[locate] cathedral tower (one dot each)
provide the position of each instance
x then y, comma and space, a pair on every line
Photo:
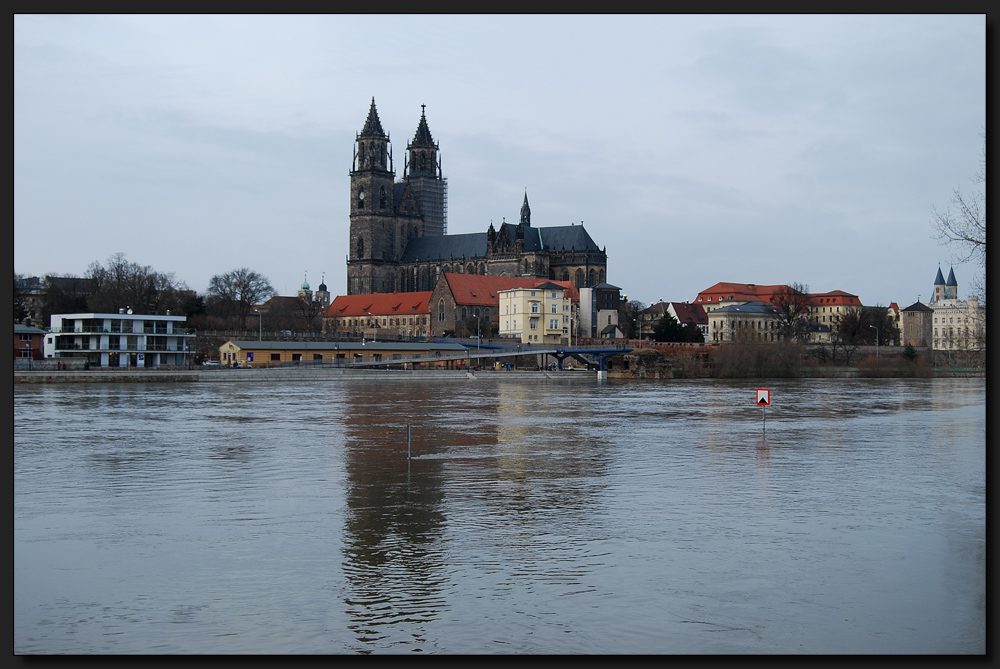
423, 174
373, 227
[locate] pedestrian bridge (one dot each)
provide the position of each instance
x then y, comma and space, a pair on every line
588, 354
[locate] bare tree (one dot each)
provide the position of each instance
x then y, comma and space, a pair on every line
120, 284
232, 295
628, 317
310, 311
792, 302
962, 226
864, 326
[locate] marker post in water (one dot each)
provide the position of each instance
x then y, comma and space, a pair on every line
763, 400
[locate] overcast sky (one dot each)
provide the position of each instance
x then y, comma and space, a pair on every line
696, 149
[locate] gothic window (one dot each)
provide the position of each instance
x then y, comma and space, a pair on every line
381, 197
423, 161
470, 269
441, 310
579, 279
590, 280
361, 247
465, 314
565, 275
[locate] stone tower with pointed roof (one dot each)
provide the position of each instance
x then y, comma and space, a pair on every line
398, 230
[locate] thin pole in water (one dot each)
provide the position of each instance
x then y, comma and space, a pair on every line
409, 452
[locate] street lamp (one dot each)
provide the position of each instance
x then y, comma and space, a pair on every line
260, 325
876, 340
479, 334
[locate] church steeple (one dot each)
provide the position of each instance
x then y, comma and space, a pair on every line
525, 211
951, 286
371, 205
373, 127
372, 151
422, 151
424, 176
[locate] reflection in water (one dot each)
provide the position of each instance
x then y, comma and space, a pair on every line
393, 526
549, 516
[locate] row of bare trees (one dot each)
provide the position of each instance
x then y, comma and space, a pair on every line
119, 283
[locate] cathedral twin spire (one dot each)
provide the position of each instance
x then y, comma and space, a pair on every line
373, 127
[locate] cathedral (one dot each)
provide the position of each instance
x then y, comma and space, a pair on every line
399, 239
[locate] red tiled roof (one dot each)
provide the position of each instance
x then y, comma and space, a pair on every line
275, 301
835, 297
690, 313
480, 290
380, 304
750, 292
746, 292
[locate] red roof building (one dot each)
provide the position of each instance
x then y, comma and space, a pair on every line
397, 314
458, 297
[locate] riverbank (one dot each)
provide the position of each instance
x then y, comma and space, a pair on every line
301, 374
277, 374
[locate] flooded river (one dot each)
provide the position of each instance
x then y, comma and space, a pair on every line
548, 516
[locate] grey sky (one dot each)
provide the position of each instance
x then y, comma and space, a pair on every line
697, 149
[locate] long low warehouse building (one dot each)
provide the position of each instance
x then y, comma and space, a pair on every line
278, 353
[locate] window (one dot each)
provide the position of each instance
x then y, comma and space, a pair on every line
441, 310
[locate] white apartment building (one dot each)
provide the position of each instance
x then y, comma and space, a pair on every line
120, 340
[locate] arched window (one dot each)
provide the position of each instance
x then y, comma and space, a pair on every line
361, 247
475, 312
590, 279
579, 279
381, 197
465, 314
441, 310
470, 269
565, 275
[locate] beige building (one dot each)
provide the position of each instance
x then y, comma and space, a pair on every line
956, 324
541, 314
750, 320
283, 353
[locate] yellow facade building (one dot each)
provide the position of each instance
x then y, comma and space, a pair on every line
541, 314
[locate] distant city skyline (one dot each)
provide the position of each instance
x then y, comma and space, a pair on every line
698, 149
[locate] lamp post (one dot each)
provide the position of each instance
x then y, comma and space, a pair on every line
260, 325
479, 334
876, 340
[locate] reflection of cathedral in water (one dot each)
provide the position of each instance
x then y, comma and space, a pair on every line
394, 560
494, 467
